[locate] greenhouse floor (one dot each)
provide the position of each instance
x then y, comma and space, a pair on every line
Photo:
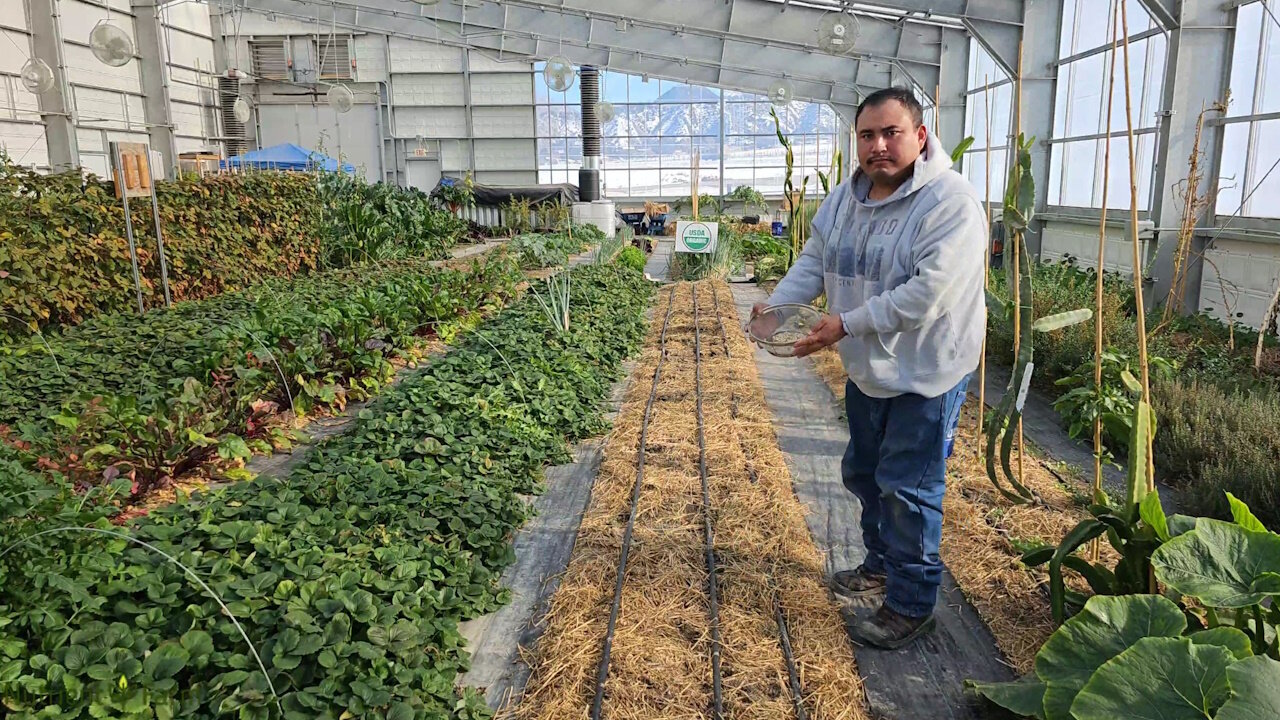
926, 680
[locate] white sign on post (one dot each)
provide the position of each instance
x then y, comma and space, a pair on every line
694, 236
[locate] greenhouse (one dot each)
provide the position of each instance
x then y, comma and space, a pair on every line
750, 359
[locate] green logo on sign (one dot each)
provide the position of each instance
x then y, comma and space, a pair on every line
697, 236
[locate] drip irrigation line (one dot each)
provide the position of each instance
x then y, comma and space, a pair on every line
603, 672
716, 691
784, 635
724, 340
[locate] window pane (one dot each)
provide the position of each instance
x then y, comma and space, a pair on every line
574, 156
1235, 148
739, 151
644, 120
704, 119
1244, 59
675, 182
1265, 178
709, 148
616, 183
1078, 173
613, 86
644, 182
641, 91
1270, 100
768, 180
544, 154
709, 180
674, 120
540, 92
737, 176
1068, 28
544, 121
738, 118
1088, 88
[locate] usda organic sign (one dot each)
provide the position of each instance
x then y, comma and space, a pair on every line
696, 237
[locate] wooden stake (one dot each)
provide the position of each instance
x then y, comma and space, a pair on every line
986, 266
1095, 547
693, 185
937, 111
1137, 255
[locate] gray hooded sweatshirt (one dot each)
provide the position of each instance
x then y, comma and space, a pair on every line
905, 274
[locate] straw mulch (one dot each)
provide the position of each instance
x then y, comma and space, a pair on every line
661, 657
980, 528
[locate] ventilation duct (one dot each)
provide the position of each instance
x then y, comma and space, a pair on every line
589, 174
232, 129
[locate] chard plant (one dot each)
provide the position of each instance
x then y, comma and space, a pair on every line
1019, 207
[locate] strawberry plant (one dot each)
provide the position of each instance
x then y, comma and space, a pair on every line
349, 576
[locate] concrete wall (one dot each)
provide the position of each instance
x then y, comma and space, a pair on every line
108, 102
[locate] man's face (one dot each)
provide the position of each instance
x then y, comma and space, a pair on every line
888, 142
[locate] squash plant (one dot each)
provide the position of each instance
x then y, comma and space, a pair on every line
1146, 656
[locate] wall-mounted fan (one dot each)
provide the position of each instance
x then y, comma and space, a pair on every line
558, 73
605, 111
37, 76
781, 92
837, 32
241, 110
110, 44
341, 98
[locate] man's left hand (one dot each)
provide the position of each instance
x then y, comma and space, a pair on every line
827, 332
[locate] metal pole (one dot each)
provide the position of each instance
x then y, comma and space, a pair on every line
128, 222
164, 267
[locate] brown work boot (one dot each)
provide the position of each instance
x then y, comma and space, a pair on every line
858, 583
889, 630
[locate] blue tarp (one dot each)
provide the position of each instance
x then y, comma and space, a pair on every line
287, 156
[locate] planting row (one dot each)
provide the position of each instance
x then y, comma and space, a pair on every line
147, 397
64, 256
348, 577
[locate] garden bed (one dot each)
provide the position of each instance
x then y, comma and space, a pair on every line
1217, 417
150, 397
348, 577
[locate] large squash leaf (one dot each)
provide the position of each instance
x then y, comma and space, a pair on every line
1221, 564
1255, 690
1159, 678
1106, 627
1024, 696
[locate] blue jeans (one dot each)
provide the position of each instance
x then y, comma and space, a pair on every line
896, 464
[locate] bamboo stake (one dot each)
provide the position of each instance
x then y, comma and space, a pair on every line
1017, 242
1095, 547
1137, 255
986, 265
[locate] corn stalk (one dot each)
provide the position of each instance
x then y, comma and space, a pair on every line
788, 189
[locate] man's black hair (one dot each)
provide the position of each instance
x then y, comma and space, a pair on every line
900, 94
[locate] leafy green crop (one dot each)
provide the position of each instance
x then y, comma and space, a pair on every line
542, 251
149, 396
64, 256
349, 576
374, 222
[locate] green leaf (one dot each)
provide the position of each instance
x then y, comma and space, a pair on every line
198, 643
166, 661
1221, 564
1136, 475
1106, 627
1228, 637
1243, 516
1024, 696
1130, 381
1050, 323
1152, 513
1255, 690
400, 711
959, 150
1159, 678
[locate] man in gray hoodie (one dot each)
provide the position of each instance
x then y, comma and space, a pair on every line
899, 250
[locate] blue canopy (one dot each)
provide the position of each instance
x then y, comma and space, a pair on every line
287, 156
